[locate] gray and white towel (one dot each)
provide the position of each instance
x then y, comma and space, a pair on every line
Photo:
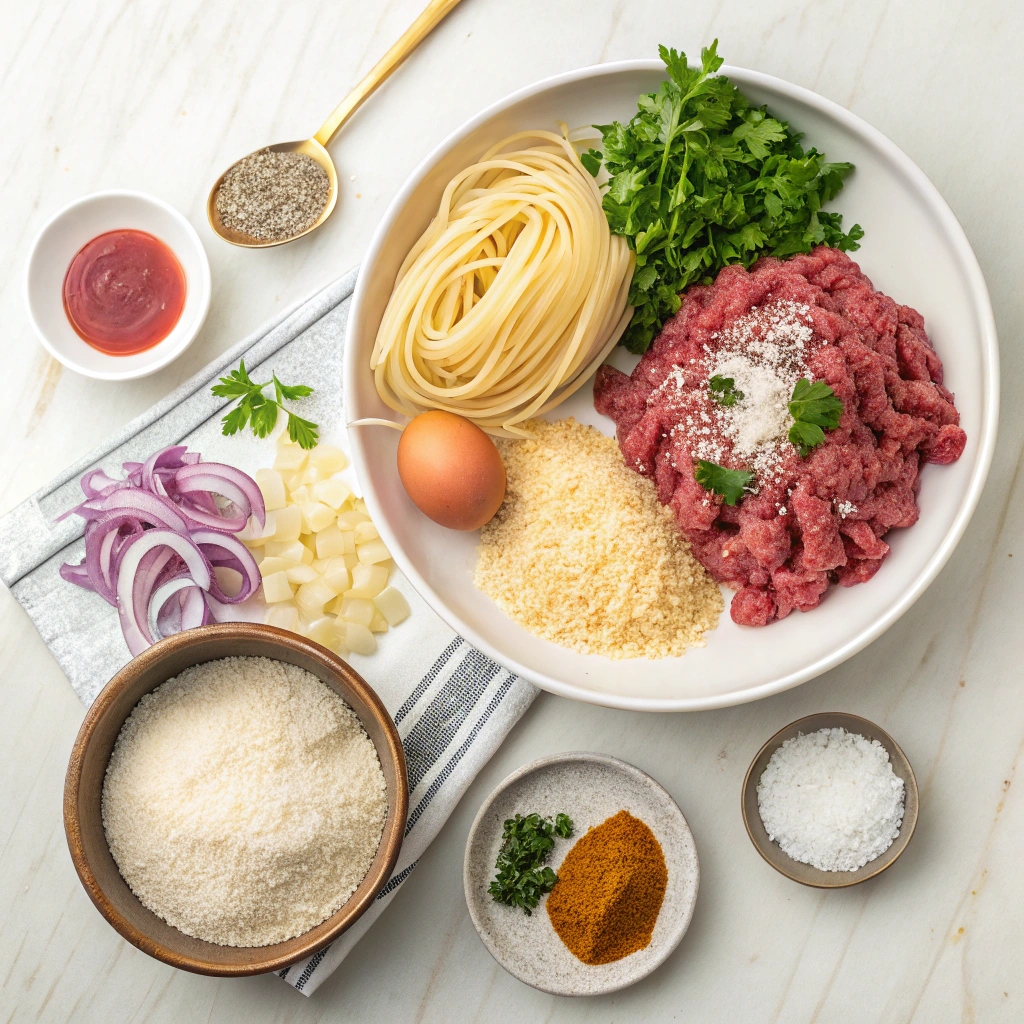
452, 705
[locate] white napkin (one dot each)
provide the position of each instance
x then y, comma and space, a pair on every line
453, 706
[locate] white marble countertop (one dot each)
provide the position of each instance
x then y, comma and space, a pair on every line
161, 96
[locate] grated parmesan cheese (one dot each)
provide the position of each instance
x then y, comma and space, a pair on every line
582, 554
764, 352
243, 802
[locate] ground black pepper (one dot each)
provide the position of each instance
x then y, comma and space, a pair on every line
271, 196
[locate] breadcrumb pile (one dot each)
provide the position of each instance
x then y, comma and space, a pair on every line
582, 554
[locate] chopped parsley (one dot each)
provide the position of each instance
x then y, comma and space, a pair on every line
729, 483
700, 179
724, 391
259, 411
815, 409
526, 843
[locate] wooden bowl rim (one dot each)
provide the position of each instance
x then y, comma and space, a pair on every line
302, 947
806, 874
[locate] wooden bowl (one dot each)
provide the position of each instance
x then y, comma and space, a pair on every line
84, 783
805, 874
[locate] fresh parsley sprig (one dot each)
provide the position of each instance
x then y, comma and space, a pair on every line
700, 179
526, 843
731, 484
724, 391
815, 409
259, 411
591, 160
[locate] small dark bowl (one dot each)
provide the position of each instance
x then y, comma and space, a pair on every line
83, 788
805, 874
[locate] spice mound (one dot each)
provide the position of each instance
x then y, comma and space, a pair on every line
610, 889
243, 802
272, 196
582, 554
831, 799
782, 496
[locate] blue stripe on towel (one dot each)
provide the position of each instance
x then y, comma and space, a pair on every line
422, 685
430, 736
307, 971
459, 754
396, 880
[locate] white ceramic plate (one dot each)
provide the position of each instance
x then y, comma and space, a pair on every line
914, 249
63, 236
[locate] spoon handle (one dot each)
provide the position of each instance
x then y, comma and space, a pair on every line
431, 17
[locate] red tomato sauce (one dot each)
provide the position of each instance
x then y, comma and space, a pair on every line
124, 292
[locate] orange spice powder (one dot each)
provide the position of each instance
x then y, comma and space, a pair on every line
609, 892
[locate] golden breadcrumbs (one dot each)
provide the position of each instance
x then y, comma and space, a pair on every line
582, 553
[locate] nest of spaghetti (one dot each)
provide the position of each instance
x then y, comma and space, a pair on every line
513, 295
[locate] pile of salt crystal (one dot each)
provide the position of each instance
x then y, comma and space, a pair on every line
831, 799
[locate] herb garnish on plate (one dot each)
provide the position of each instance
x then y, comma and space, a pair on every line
526, 843
261, 412
700, 179
724, 391
814, 406
729, 483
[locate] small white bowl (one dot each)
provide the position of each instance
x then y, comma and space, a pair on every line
63, 236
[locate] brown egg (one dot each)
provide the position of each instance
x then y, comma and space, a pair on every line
451, 470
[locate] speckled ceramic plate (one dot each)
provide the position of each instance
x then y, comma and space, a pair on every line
589, 788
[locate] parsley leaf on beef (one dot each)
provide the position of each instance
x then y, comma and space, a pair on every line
724, 391
813, 406
700, 179
729, 483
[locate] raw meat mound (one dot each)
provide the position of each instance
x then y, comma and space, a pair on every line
809, 521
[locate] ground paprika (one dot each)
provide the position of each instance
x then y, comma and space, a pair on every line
609, 891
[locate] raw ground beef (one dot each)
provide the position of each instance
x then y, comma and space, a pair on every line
812, 521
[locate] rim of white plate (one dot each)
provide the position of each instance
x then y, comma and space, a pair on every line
990, 358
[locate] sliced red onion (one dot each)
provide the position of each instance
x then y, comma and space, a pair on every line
193, 610
76, 574
100, 553
137, 579
169, 458
150, 508
88, 509
216, 478
153, 537
238, 557
98, 483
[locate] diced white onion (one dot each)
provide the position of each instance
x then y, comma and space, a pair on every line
372, 551
272, 488
325, 569
276, 588
392, 605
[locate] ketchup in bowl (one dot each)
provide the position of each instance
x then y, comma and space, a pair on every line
124, 292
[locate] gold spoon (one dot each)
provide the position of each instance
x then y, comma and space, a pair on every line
316, 147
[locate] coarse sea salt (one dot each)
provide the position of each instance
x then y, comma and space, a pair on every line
831, 799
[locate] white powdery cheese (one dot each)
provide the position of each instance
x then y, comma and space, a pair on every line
243, 802
831, 799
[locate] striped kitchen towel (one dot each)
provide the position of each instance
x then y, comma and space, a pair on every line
452, 705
